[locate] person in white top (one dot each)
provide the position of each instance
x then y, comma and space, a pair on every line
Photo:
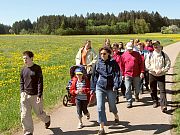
158, 63
87, 57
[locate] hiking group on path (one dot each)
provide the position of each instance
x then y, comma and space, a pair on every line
129, 69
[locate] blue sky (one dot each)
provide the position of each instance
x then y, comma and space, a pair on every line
16, 10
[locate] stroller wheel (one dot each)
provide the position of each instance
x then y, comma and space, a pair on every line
65, 100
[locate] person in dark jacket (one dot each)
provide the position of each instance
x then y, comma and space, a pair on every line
31, 85
105, 82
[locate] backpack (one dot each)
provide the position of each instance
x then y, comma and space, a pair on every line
163, 56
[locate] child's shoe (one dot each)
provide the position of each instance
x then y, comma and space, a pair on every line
88, 116
80, 125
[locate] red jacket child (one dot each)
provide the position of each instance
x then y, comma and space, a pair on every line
80, 88
85, 89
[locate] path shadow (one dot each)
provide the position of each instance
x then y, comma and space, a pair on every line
171, 82
58, 131
80, 132
147, 101
94, 124
173, 92
171, 74
125, 127
174, 105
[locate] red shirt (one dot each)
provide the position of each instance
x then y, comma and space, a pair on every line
149, 48
132, 64
117, 58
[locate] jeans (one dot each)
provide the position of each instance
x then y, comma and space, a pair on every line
128, 83
153, 86
146, 79
142, 84
101, 95
81, 106
123, 88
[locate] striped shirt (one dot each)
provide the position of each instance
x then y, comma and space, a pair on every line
80, 85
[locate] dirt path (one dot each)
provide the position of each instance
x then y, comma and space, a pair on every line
142, 119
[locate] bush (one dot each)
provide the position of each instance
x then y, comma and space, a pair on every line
173, 29
23, 32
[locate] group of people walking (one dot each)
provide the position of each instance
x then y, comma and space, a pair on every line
129, 68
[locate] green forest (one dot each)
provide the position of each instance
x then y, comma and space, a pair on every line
127, 22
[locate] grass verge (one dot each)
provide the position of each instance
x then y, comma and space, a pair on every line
176, 97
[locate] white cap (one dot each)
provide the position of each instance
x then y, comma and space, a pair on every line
129, 46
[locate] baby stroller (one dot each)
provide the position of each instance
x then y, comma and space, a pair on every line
69, 99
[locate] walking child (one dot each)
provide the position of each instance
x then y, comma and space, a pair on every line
81, 89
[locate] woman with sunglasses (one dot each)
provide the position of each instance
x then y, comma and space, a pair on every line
105, 82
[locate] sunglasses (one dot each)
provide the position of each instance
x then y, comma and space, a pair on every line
156, 44
103, 53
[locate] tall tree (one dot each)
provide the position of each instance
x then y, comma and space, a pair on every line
140, 26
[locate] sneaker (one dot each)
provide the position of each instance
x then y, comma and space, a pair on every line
88, 116
28, 134
129, 105
164, 109
101, 132
48, 123
155, 104
80, 125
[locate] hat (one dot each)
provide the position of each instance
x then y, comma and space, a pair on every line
148, 40
78, 71
129, 46
155, 43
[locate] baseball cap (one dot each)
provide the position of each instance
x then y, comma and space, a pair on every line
155, 43
78, 71
129, 46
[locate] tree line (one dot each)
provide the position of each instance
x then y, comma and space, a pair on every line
127, 22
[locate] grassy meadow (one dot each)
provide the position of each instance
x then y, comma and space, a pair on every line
176, 97
55, 54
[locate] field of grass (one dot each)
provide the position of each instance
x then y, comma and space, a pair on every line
55, 54
176, 97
